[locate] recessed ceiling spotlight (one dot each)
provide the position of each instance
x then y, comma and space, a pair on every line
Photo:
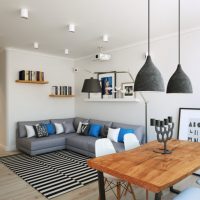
105, 38
66, 51
71, 28
24, 13
35, 45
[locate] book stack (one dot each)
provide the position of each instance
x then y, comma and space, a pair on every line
61, 90
27, 75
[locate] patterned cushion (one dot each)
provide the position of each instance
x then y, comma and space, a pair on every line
84, 129
40, 130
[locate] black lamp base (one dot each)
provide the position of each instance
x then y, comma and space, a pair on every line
162, 151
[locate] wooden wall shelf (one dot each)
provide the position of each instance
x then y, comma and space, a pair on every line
52, 95
33, 82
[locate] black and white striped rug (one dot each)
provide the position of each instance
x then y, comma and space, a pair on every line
54, 173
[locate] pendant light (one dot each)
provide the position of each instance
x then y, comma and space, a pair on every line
149, 77
179, 81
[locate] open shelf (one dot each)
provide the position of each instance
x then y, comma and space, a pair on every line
32, 82
113, 100
52, 95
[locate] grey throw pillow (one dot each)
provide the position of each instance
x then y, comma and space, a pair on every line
104, 132
68, 127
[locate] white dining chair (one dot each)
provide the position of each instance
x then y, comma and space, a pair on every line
130, 141
104, 147
191, 193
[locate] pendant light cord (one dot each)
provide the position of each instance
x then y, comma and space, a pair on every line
179, 31
148, 27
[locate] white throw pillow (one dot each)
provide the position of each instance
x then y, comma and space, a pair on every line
113, 134
30, 131
59, 128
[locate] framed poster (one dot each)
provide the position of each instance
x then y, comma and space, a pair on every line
128, 89
108, 84
189, 124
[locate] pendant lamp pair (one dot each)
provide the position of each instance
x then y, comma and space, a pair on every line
149, 77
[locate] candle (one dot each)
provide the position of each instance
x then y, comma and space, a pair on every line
166, 121
152, 122
161, 123
170, 119
157, 122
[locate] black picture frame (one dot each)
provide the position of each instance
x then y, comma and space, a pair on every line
113, 73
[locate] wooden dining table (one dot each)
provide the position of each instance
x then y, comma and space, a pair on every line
146, 168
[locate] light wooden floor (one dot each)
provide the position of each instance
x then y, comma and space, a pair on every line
14, 188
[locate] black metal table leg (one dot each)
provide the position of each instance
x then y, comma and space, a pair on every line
158, 196
102, 195
174, 190
195, 174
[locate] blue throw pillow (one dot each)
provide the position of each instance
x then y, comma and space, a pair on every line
122, 132
50, 129
95, 130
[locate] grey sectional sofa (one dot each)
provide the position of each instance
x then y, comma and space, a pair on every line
71, 141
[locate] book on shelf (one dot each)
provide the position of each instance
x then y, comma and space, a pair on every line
61, 90
28, 75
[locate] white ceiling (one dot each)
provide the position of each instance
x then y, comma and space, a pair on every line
125, 21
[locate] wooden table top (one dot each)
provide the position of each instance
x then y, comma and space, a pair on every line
152, 171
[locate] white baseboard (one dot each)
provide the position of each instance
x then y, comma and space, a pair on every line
8, 148
11, 148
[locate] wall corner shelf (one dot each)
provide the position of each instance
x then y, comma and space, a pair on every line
52, 95
32, 82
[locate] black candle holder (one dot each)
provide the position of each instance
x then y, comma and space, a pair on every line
164, 130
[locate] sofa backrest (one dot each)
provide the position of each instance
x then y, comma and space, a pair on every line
101, 122
62, 120
21, 130
139, 130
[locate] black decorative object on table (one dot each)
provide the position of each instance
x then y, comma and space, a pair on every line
164, 130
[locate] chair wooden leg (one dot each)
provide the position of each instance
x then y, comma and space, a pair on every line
131, 191
118, 190
126, 190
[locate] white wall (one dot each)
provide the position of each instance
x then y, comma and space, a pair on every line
31, 101
2, 98
161, 105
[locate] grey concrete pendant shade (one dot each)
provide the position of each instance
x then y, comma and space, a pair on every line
179, 82
149, 78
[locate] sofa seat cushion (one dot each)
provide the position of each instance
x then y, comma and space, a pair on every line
41, 143
119, 147
68, 135
91, 145
79, 141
